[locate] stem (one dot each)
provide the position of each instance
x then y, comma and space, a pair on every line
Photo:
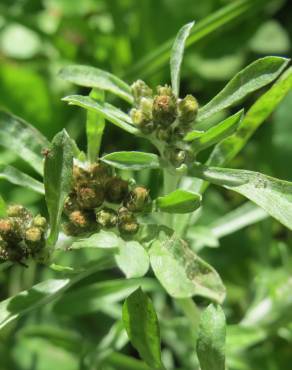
170, 182
191, 311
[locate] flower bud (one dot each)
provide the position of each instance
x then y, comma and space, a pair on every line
165, 90
188, 109
71, 203
70, 229
137, 116
33, 234
11, 229
106, 217
163, 134
40, 222
177, 156
127, 222
137, 199
140, 90
164, 110
90, 196
100, 172
80, 219
116, 190
17, 210
146, 106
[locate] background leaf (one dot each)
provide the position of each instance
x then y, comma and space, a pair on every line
57, 180
211, 338
142, 327
176, 56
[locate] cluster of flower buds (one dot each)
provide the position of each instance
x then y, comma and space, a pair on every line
163, 114
21, 235
101, 200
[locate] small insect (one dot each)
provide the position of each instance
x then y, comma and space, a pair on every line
46, 152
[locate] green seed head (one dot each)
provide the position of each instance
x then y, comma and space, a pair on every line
188, 109
106, 217
140, 90
116, 190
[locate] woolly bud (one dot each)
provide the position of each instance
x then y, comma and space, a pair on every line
71, 203
106, 217
140, 90
188, 109
137, 199
17, 210
33, 234
40, 222
116, 190
164, 110
80, 219
100, 172
11, 229
90, 196
163, 134
127, 222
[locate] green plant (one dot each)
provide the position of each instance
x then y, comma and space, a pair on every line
107, 211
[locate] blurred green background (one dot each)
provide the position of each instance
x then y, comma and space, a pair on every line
38, 37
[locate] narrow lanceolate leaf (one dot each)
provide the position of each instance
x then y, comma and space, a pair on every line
87, 103
182, 273
179, 201
258, 74
132, 160
211, 338
176, 56
273, 195
23, 139
42, 294
17, 177
95, 124
97, 78
142, 327
257, 114
57, 180
214, 134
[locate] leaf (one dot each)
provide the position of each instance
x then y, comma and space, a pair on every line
176, 56
179, 201
2, 207
87, 103
57, 180
132, 259
17, 177
102, 239
95, 125
159, 57
258, 74
132, 160
215, 133
256, 115
273, 195
42, 294
97, 78
23, 139
211, 338
142, 327
93, 297
182, 273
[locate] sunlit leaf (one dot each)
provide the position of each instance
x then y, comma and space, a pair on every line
132, 160
179, 201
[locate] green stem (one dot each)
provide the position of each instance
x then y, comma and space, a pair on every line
191, 311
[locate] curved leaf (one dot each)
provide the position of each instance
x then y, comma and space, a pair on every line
176, 56
103, 239
97, 78
142, 327
132, 160
107, 112
258, 74
23, 139
179, 201
182, 273
57, 180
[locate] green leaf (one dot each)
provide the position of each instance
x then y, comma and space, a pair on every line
160, 56
87, 103
93, 297
179, 201
256, 115
214, 134
273, 195
42, 294
132, 259
258, 74
142, 327
182, 273
176, 56
23, 139
95, 125
17, 177
132, 160
97, 78
211, 338
102, 239
2, 207
57, 180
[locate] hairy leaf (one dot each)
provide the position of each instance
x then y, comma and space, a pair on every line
179, 201
103, 239
97, 78
182, 273
57, 180
258, 74
176, 56
132, 160
142, 327
211, 339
